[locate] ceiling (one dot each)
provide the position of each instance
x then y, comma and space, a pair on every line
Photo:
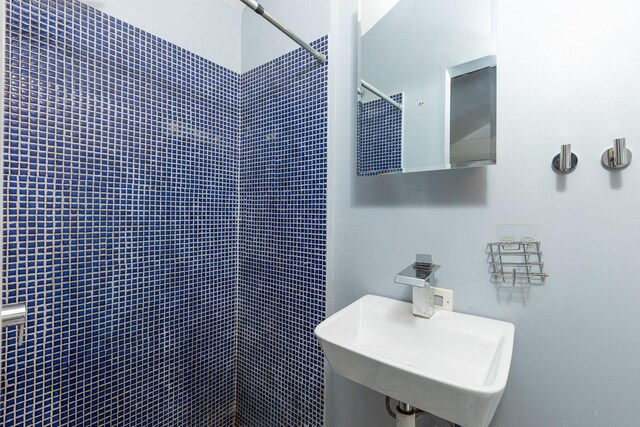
236, 5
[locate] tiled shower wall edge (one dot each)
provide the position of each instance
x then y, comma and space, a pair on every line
332, 119
3, 36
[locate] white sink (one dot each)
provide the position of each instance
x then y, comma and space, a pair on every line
453, 365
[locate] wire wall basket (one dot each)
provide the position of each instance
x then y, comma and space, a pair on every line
516, 262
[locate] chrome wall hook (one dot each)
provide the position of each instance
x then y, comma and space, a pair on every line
618, 157
565, 162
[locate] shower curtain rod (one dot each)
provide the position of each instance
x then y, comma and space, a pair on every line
371, 88
257, 8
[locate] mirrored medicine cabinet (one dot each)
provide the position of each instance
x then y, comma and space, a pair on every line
427, 93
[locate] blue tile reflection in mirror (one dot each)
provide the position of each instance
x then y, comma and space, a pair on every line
409, 47
379, 137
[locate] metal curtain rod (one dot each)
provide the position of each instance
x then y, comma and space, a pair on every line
257, 8
380, 94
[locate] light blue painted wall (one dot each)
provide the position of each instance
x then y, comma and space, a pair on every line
262, 42
209, 28
568, 74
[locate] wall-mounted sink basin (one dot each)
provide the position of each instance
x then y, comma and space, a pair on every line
453, 365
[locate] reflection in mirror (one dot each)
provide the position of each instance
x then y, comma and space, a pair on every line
437, 59
472, 107
379, 137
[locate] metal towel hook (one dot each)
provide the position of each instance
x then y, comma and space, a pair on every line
565, 162
618, 157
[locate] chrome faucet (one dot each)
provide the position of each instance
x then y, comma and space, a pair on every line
420, 276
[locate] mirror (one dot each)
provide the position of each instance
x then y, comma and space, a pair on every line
427, 98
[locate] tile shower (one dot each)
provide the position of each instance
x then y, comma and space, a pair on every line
379, 137
281, 288
164, 221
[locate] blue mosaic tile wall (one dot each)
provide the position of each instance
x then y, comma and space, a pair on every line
281, 295
379, 137
120, 224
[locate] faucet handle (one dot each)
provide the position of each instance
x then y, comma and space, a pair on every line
424, 258
423, 265
418, 273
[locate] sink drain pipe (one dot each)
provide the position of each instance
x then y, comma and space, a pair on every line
406, 414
